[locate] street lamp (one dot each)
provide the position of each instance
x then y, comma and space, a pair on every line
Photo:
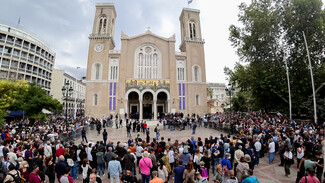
229, 90
66, 92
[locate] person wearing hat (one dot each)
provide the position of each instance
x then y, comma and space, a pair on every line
33, 176
145, 165
155, 178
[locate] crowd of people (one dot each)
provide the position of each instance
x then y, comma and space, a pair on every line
35, 153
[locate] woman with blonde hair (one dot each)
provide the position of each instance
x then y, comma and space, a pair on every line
217, 177
232, 177
189, 173
24, 171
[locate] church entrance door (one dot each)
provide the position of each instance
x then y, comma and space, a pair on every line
147, 106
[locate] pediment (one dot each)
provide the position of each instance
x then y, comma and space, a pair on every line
147, 33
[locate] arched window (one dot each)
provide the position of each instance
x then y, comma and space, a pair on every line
147, 62
196, 73
97, 71
95, 99
102, 25
113, 69
181, 70
192, 30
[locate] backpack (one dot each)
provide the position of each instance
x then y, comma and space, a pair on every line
16, 177
225, 170
155, 130
204, 172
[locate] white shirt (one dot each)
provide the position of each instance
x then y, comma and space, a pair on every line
90, 157
300, 155
272, 147
1, 151
288, 154
171, 156
258, 146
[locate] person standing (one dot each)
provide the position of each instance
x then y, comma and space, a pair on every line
214, 157
114, 169
258, 147
33, 176
155, 178
200, 178
271, 151
144, 167
105, 136
178, 172
100, 161
60, 167
128, 129
194, 128
288, 158
250, 178
319, 165
157, 130
128, 177
83, 135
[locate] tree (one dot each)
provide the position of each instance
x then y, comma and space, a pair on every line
9, 91
34, 100
271, 32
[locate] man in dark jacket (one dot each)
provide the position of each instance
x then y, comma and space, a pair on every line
60, 167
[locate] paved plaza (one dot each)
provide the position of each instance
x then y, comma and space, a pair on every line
265, 172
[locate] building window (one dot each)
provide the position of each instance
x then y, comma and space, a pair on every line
95, 99
96, 71
196, 73
148, 63
102, 25
192, 30
197, 100
180, 70
113, 69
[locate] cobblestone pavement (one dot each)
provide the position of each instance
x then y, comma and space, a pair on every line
265, 172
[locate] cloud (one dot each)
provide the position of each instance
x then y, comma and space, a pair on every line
65, 25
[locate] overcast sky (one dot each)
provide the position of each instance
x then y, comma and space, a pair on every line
66, 24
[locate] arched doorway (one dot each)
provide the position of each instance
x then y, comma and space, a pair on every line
133, 102
147, 102
162, 103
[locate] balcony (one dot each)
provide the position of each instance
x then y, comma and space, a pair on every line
16, 56
23, 58
10, 42
25, 47
2, 40
5, 66
22, 69
18, 45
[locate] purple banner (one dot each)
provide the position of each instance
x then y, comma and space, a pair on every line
114, 84
183, 89
114, 103
183, 103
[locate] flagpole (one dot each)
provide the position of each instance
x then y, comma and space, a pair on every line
312, 77
289, 90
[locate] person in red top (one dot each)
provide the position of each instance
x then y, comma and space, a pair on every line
145, 125
310, 178
60, 151
7, 138
33, 176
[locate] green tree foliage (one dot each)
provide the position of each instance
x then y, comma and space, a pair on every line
273, 31
34, 100
9, 91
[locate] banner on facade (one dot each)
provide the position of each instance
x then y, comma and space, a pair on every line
147, 84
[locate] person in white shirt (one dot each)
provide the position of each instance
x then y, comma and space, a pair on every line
48, 149
1, 152
258, 147
271, 150
287, 160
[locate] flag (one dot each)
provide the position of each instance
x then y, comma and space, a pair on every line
189, 1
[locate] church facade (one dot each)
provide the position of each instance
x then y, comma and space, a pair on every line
146, 77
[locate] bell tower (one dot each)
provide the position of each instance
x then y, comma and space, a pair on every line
193, 45
101, 41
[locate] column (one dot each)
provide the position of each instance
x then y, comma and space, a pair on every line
141, 109
126, 107
168, 106
155, 109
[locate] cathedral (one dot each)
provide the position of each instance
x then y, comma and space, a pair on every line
147, 76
